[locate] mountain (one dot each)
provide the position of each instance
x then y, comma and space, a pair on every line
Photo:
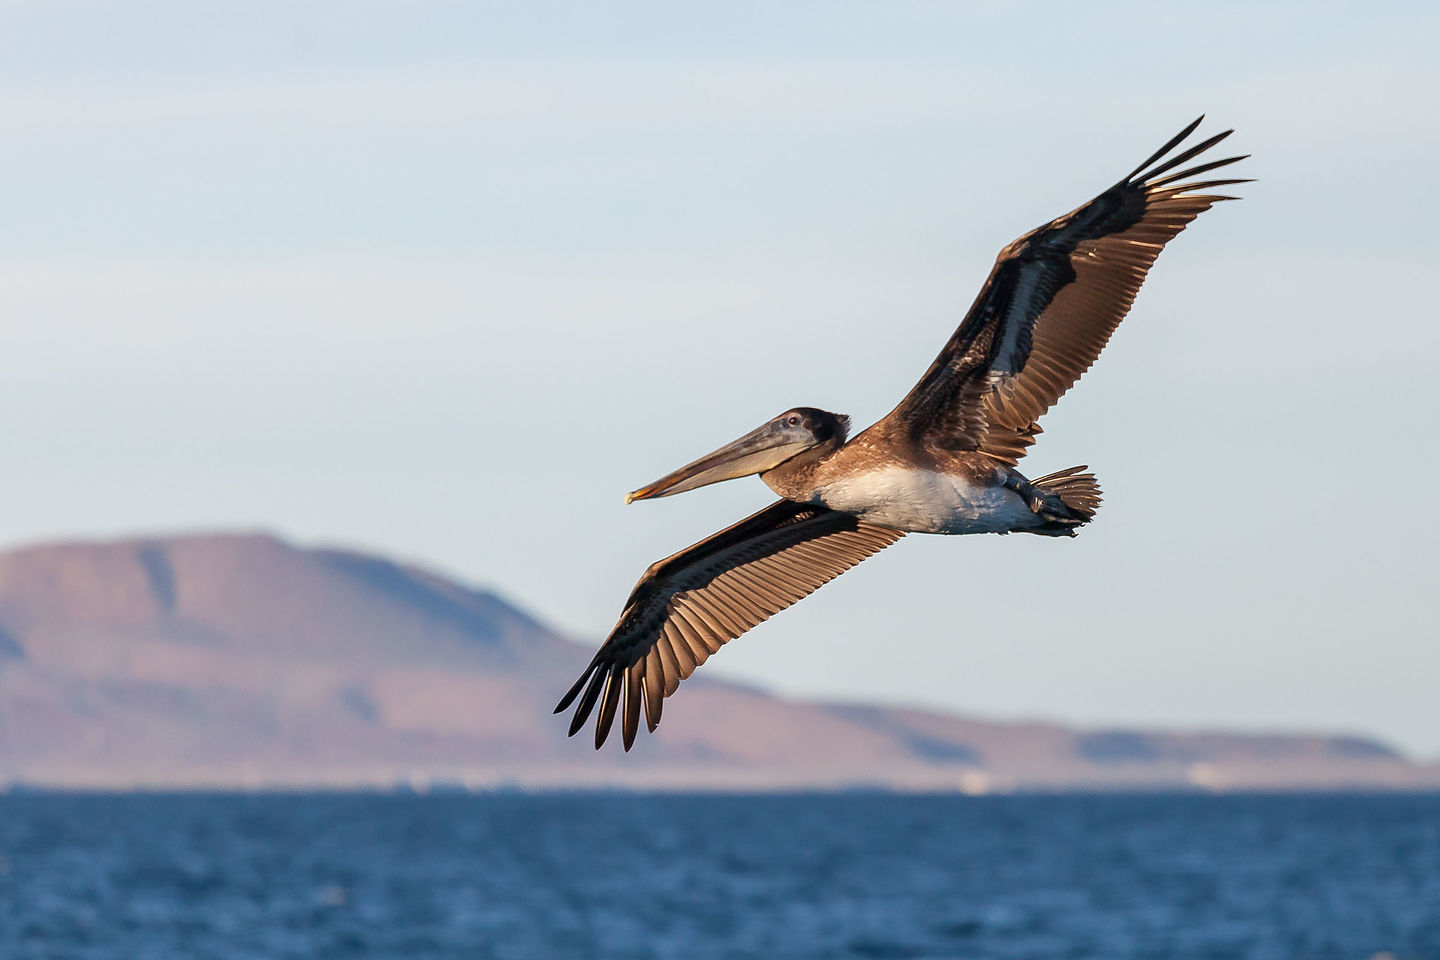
244, 661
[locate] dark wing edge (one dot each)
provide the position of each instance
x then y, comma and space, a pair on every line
1050, 304
687, 606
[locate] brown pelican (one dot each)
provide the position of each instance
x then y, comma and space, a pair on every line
943, 461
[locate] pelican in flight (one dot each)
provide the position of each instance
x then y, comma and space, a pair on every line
943, 461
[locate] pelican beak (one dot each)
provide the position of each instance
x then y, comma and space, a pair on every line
756, 452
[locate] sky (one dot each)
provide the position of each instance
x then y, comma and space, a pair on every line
444, 280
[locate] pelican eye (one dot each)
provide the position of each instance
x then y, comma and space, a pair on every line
793, 420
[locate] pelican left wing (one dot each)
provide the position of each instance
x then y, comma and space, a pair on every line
687, 606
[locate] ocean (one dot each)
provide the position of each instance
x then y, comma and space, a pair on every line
869, 875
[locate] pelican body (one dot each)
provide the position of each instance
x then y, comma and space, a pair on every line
883, 476
944, 461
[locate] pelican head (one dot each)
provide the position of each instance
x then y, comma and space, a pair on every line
762, 449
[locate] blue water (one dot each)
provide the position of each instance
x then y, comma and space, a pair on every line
840, 875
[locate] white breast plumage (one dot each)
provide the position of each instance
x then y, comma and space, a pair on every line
927, 501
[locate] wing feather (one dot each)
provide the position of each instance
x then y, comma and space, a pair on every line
608, 703
685, 665
654, 686
687, 606
633, 679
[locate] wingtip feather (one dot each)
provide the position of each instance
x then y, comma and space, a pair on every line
587, 703
608, 704
1169, 145
572, 693
1183, 156
630, 725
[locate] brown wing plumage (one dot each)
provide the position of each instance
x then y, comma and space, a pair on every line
688, 605
1050, 304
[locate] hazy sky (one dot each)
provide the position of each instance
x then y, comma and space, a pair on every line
446, 279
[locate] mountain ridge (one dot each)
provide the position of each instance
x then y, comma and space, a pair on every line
243, 661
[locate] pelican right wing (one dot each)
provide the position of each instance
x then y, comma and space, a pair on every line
1050, 305
688, 605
